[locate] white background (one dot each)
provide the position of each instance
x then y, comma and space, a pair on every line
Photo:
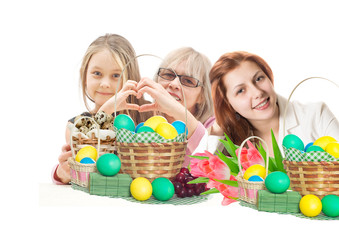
42, 45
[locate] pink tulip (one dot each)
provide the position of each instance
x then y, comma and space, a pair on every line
213, 168
225, 190
250, 156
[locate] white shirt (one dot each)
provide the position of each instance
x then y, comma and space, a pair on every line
308, 121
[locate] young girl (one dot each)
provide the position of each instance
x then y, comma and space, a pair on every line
99, 74
242, 88
183, 71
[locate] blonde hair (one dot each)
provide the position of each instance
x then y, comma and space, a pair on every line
198, 66
122, 52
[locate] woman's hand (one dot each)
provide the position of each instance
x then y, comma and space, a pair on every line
164, 102
128, 89
63, 170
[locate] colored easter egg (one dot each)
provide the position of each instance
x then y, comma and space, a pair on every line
145, 129
310, 205
138, 126
108, 164
277, 182
294, 141
315, 148
87, 151
141, 189
154, 121
166, 130
87, 160
255, 169
255, 178
180, 126
330, 205
124, 121
333, 149
323, 141
163, 189
307, 146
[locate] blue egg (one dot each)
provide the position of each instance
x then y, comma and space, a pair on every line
87, 160
255, 178
307, 146
138, 126
180, 126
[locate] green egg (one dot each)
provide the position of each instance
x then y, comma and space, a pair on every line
314, 148
330, 205
124, 121
163, 189
277, 182
294, 141
108, 164
145, 129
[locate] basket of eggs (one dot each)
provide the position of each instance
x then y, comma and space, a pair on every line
314, 168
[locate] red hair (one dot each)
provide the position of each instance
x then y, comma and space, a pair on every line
235, 126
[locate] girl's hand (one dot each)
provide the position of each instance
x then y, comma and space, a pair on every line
164, 102
128, 89
63, 170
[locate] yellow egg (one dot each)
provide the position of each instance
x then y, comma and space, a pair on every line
323, 141
87, 151
310, 205
255, 169
141, 189
154, 121
333, 149
166, 130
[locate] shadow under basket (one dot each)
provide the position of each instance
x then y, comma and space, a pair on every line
151, 160
317, 178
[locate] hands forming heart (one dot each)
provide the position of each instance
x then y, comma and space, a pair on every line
163, 101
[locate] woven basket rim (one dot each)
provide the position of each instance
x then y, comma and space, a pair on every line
305, 163
150, 144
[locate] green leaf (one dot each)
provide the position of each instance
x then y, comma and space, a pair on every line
277, 154
229, 145
229, 161
198, 157
210, 191
228, 182
199, 180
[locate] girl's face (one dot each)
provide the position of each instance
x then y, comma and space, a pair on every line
250, 92
102, 77
175, 89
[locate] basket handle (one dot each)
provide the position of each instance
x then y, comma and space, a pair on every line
289, 98
116, 91
72, 130
242, 145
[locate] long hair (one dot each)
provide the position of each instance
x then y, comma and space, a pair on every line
198, 66
234, 125
122, 52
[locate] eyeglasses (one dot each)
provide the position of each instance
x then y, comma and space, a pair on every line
170, 75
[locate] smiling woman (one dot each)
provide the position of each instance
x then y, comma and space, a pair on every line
183, 73
246, 104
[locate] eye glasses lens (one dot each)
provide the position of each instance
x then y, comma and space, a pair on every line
166, 74
189, 81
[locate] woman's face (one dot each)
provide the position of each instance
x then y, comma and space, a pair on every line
102, 77
175, 89
250, 92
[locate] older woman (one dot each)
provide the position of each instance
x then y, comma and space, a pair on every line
183, 73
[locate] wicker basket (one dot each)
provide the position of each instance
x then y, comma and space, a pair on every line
80, 172
152, 160
307, 177
318, 178
248, 191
